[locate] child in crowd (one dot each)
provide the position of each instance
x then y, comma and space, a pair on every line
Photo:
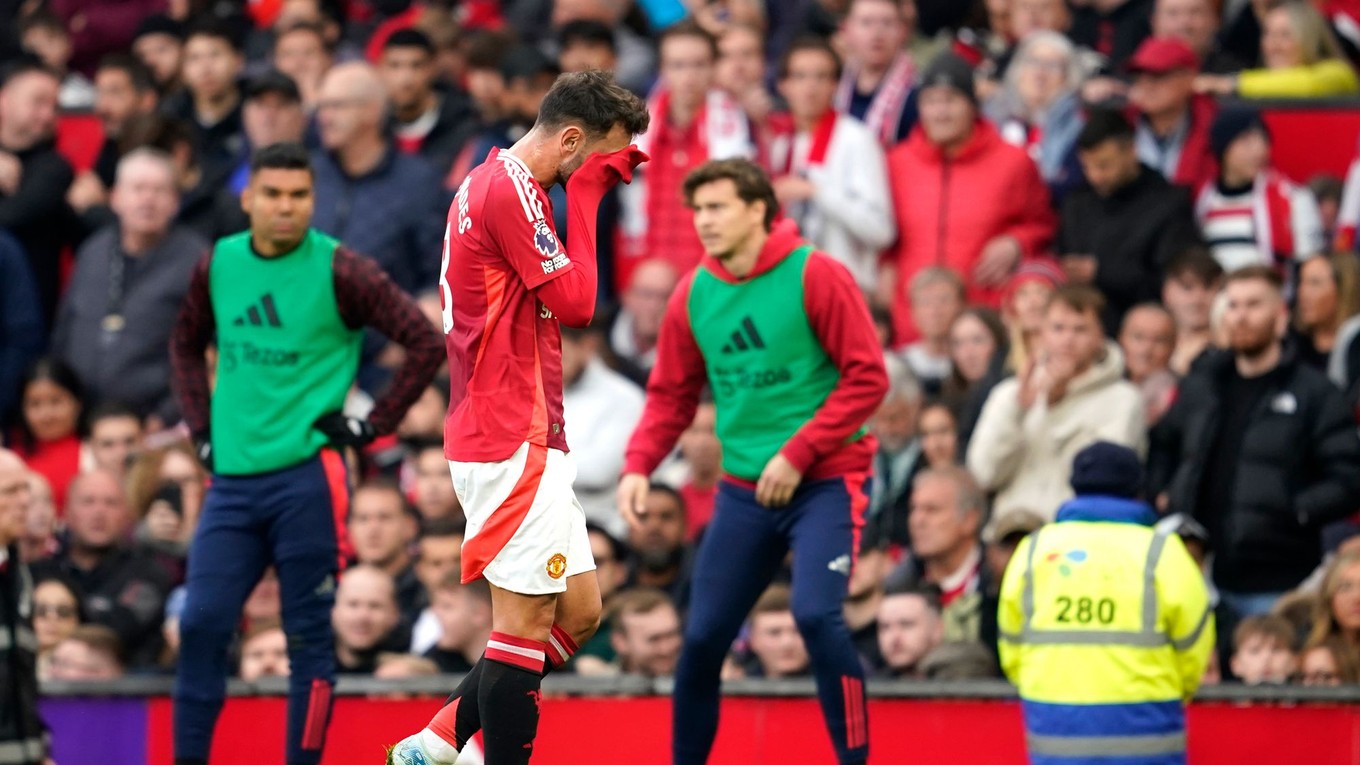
1263, 650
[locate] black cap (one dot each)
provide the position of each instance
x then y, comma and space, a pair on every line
525, 61
1231, 123
1108, 469
159, 24
273, 81
950, 71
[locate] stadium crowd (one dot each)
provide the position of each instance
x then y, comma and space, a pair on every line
1064, 214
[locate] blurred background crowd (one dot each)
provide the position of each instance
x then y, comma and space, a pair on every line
1042, 200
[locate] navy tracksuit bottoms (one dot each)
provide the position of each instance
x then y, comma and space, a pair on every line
286, 518
741, 551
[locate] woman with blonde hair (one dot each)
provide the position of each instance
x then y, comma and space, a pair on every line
176, 464
1301, 57
1337, 609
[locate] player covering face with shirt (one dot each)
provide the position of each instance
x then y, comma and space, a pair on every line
507, 283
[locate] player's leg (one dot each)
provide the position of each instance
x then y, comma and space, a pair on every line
226, 559
825, 519
740, 553
303, 540
512, 673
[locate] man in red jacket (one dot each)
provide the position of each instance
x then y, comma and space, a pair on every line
964, 198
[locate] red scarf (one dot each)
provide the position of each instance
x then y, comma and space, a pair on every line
885, 110
785, 138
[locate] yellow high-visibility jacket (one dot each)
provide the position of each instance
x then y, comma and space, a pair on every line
1106, 630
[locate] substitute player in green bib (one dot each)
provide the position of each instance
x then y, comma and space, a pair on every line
782, 336
286, 306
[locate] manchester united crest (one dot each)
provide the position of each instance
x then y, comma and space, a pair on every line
557, 566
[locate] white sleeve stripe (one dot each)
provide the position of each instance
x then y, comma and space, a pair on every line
528, 197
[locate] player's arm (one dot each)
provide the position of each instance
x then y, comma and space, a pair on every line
193, 331
367, 297
673, 390
840, 318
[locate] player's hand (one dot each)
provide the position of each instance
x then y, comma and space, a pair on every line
632, 497
203, 450
346, 431
777, 482
607, 170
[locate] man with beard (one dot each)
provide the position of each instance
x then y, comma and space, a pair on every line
660, 558
1261, 449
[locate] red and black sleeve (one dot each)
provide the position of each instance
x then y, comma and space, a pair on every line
367, 297
194, 330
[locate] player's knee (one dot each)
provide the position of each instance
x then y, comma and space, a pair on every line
205, 625
814, 620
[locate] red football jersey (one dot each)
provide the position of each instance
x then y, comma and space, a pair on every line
505, 347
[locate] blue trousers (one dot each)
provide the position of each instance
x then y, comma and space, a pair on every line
285, 518
743, 548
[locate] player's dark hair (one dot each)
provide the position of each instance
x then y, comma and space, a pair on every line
1198, 262
1104, 125
138, 74
593, 102
805, 44
281, 156
216, 29
410, 38
585, 32
753, 185
689, 28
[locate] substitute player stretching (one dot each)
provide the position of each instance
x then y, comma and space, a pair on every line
287, 306
782, 336
507, 282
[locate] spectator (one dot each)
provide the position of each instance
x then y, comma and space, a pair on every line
1328, 662
661, 558
206, 205
702, 453
863, 596
175, 464
90, 652
33, 176
1000, 539
952, 156
828, 172
124, 90
636, 67
428, 121
376, 199
977, 355
264, 651
586, 45
162, 531
1301, 58
115, 437
1336, 612
159, 43
1112, 28
596, 655
433, 494
464, 614
693, 122
777, 648
100, 27
424, 421
1263, 650
211, 101
637, 324
937, 298
56, 614
303, 53
899, 457
603, 407
741, 72
44, 36
21, 325
1034, 424
48, 439
382, 528
1121, 228
645, 633
439, 554
22, 732
909, 628
1147, 337
877, 85
123, 589
1195, 23
946, 516
1251, 213
114, 324
1328, 296
1191, 281
939, 433
40, 532
271, 113
1327, 190
1023, 301
1260, 449
364, 619
1038, 108
1171, 122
